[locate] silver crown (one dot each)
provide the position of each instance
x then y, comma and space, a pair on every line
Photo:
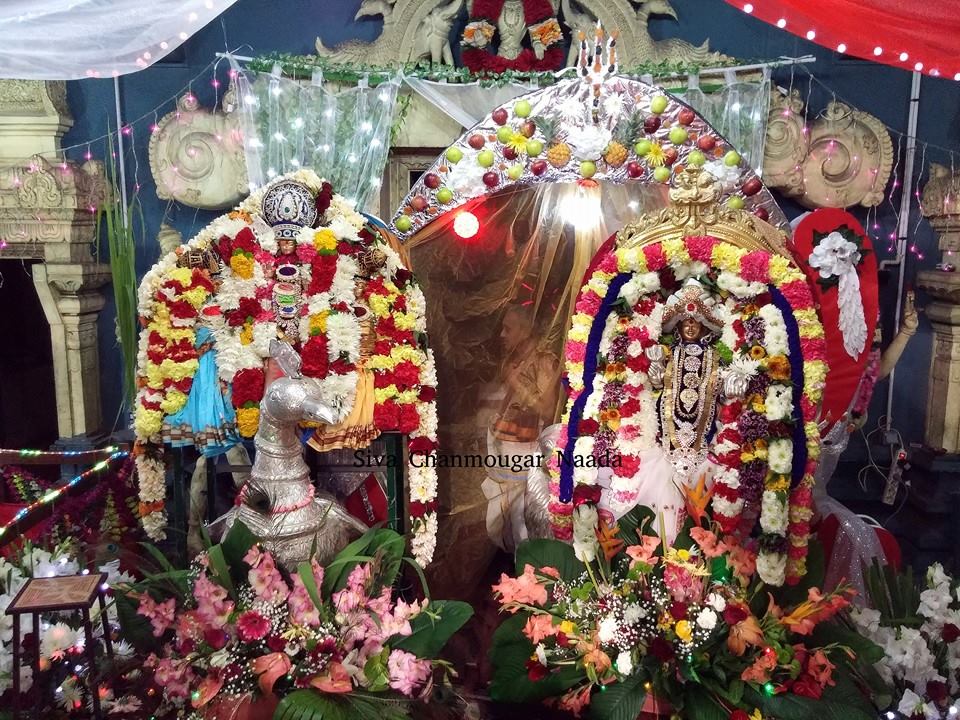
287, 207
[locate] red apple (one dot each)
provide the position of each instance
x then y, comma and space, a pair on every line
431, 180
706, 142
686, 116
500, 116
491, 179
509, 153
418, 203
538, 167
651, 124
762, 213
476, 141
528, 129
752, 186
670, 155
634, 169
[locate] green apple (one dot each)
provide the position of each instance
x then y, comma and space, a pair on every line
485, 158
504, 133
731, 159
735, 202
696, 158
444, 195
515, 171
534, 147
642, 147
678, 135
588, 168
522, 108
661, 174
404, 223
658, 104
454, 154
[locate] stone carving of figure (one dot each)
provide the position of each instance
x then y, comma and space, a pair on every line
691, 384
433, 40
512, 26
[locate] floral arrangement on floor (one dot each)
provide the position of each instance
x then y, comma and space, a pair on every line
61, 636
236, 631
689, 629
918, 632
225, 280
766, 444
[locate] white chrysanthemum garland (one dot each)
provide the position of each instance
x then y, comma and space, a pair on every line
744, 274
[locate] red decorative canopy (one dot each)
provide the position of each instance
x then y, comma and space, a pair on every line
903, 33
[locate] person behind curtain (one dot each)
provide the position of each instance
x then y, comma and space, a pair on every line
526, 396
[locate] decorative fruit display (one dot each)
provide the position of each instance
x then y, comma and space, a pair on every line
706, 142
499, 116
454, 155
538, 167
696, 158
686, 116
616, 154
558, 155
732, 158
485, 158
444, 195
661, 174
558, 152
588, 168
491, 179
642, 148
678, 135
404, 223
510, 152
418, 203
522, 108
476, 141
431, 180
735, 202
752, 186
658, 104
534, 147
515, 172
651, 124
634, 169
670, 155
762, 213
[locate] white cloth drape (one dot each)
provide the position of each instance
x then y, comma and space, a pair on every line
467, 103
72, 39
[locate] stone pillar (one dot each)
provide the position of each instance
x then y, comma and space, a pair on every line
47, 213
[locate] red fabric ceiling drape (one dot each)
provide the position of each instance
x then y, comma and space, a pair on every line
910, 34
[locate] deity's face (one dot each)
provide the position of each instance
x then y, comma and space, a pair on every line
690, 329
287, 247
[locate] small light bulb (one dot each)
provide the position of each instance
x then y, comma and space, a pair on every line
878, 50
841, 48
781, 23
811, 34
748, 8
918, 67
903, 57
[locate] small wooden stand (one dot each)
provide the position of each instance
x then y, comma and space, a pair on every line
59, 594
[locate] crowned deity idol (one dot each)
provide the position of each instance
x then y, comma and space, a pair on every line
691, 383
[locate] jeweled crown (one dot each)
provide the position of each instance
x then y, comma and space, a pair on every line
288, 207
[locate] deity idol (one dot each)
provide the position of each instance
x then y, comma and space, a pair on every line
691, 383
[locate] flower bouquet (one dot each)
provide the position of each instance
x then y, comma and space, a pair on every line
919, 633
243, 638
618, 623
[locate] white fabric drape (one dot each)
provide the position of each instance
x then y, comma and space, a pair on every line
467, 103
72, 39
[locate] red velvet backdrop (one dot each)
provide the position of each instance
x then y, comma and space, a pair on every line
926, 31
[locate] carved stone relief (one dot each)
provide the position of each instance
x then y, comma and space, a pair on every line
196, 155
420, 29
841, 158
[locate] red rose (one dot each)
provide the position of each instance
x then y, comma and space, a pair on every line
225, 248
315, 361
428, 394
247, 386
739, 714
409, 419
662, 650
535, 671
678, 610
215, 638
249, 308
401, 277
323, 198
276, 643
588, 427
419, 509
386, 416
246, 241
406, 375
950, 633
365, 235
359, 311
807, 686
586, 494
734, 614
563, 640
421, 446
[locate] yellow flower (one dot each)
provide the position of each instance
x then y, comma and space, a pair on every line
631, 260
756, 715
809, 323
183, 276
242, 266
318, 323
655, 156
147, 422
780, 269
247, 421
246, 335
684, 555
173, 401
727, 257
325, 241
567, 627
599, 283
684, 630
383, 394
676, 251
404, 321
757, 352
379, 305
408, 397
518, 141
778, 483
196, 297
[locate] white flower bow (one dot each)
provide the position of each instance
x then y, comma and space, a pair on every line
835, 256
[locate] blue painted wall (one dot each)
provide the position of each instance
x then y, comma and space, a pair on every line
254, 27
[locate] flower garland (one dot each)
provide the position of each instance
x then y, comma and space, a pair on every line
774, 327
542, 27
405, 390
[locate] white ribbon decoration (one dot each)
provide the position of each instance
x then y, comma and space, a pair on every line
835, 256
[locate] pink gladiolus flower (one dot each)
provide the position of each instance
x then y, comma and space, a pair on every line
175, 677
160, 615
643, 553
265, 579
525, 589
213, 608
708, 542
407, 673
539, 627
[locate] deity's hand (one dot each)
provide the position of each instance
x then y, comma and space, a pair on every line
657, 368
538, 49
735, 383
909, 321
